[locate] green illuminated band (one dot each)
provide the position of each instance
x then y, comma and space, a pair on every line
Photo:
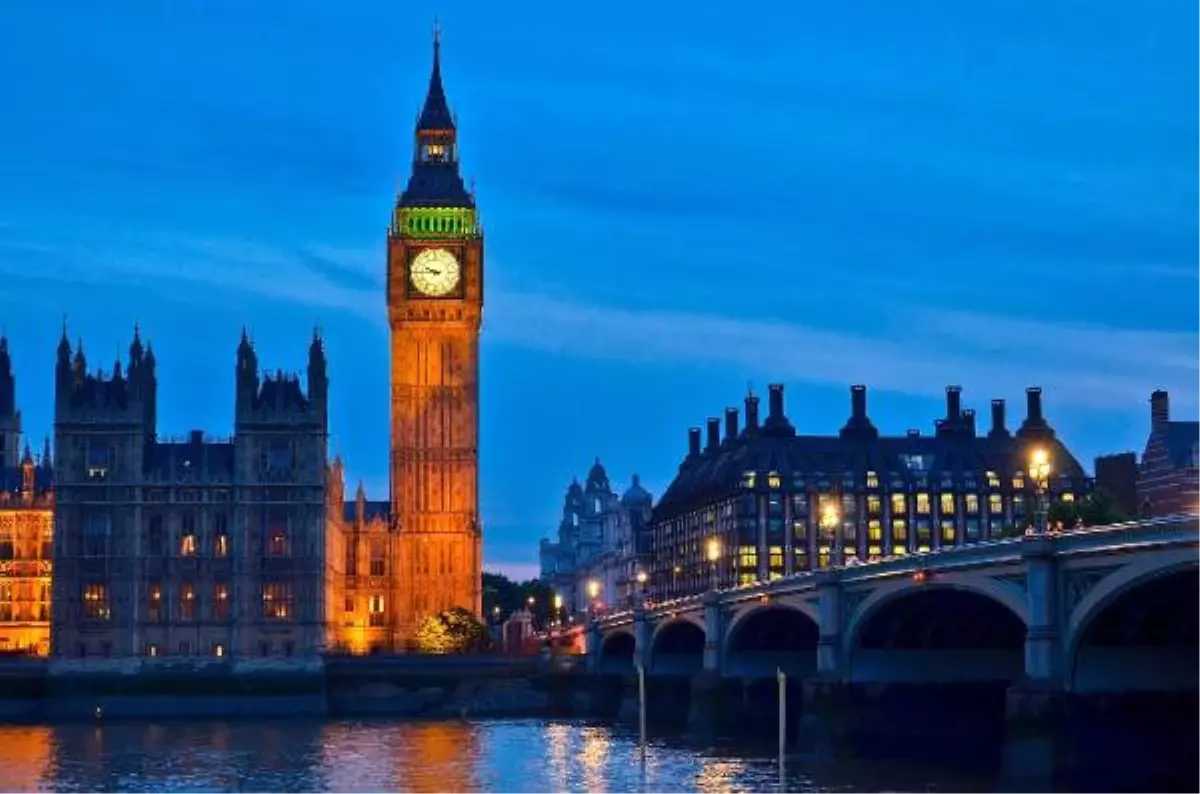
437, 222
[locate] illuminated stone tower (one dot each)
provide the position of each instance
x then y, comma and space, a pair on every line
435, 304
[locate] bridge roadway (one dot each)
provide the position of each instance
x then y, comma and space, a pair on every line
1102, 609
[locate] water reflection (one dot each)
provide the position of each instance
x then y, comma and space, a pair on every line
522, 755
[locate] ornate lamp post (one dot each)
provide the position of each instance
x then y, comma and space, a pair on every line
640, 576
713, 551
593, 588
1039, 472
831, 518
558, 605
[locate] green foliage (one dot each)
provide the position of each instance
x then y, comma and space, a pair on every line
453, 631
1096, 509
509, 596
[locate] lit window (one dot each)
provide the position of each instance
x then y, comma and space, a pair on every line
823, 556
850, 551
277, 540
874, 530
220, 606
972, 503
277, 600
898, 504
748, 557
95, 602
993, 479
948, 532
1018, 482
218, 650
899, 551
748, 479
874, 552
375, 610
872, 480
923, 504
995, 504
1068, 497
152, 650
221, 545
776, 557
899, 530
187, 601
773, 480
874, 504
187, 544
947, 504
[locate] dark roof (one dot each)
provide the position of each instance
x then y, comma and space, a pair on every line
281, 393
195, 460
436, 185
716, 475
1181, 438
373, 511
436, 115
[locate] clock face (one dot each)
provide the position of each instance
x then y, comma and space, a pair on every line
435, 272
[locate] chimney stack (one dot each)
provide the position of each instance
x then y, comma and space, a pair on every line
858, 401
693, 442
731, 424
968, 416
714, 434
775, 401
1033, 405
953, 403
751, 413
998, 428
1160, 409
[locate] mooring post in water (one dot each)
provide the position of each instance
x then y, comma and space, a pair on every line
641, 674
782, 679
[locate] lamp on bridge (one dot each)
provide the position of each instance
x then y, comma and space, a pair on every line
593, 587
1039, 472
713, 551
830, 518
640, 577
558, 604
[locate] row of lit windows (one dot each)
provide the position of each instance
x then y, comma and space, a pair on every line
774, 481
276, 598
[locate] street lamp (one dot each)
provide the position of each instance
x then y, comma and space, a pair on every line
830, 519
1039, 472
558, 604
713, 550
640, 576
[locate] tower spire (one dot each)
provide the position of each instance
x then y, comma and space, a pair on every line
435, 115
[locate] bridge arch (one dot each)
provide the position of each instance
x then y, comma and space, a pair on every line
1136, 629
771, 636
949, 629
677, 647
617, 650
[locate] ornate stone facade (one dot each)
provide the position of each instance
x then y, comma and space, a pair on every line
196, 546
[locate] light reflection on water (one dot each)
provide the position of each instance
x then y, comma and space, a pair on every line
519, 755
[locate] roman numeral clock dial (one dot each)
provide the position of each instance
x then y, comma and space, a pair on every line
435, 273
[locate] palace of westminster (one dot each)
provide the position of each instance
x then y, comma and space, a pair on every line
119, 543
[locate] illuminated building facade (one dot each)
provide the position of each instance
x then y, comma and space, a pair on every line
192, 547
778, 503
1169, 474
601, 544
26, 529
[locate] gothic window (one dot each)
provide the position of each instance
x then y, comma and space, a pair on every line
95, 536
95, 602
352, 558
375, 610
378, 558
187, 601
278, 544
98, 460
6, 602
47, 548
154, 602
220, 604
995, 504
972, 504
187, 536
277, 600
947, 504
221, 536
8, 547
154, 536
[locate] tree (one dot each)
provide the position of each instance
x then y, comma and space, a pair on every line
509, 596
453, 631
1100, 508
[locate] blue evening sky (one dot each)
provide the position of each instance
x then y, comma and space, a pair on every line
680, 199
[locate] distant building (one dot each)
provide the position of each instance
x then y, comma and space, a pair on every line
1118, 475
26, 529
1169, 475
772, 502
598, 544
193, 547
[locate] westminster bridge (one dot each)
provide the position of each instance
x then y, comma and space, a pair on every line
1109, 608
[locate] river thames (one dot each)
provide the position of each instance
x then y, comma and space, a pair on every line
514, 755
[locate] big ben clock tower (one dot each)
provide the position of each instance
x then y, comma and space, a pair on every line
435, 304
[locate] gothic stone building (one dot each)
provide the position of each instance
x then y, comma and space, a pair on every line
26, 529
779, 503
597, 542
190, 547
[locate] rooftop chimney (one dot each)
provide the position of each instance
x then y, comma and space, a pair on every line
858, 401
693, 442
731, 424
953, 403
1160, 409
751, 413
714, 434
1033, 405
968, 416
998, 428
196, 437
775, 401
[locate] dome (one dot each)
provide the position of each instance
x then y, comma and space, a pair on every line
597, 478
636, 495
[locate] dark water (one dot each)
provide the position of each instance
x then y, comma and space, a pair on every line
519, 755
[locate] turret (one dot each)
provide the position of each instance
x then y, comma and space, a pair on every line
318, 381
